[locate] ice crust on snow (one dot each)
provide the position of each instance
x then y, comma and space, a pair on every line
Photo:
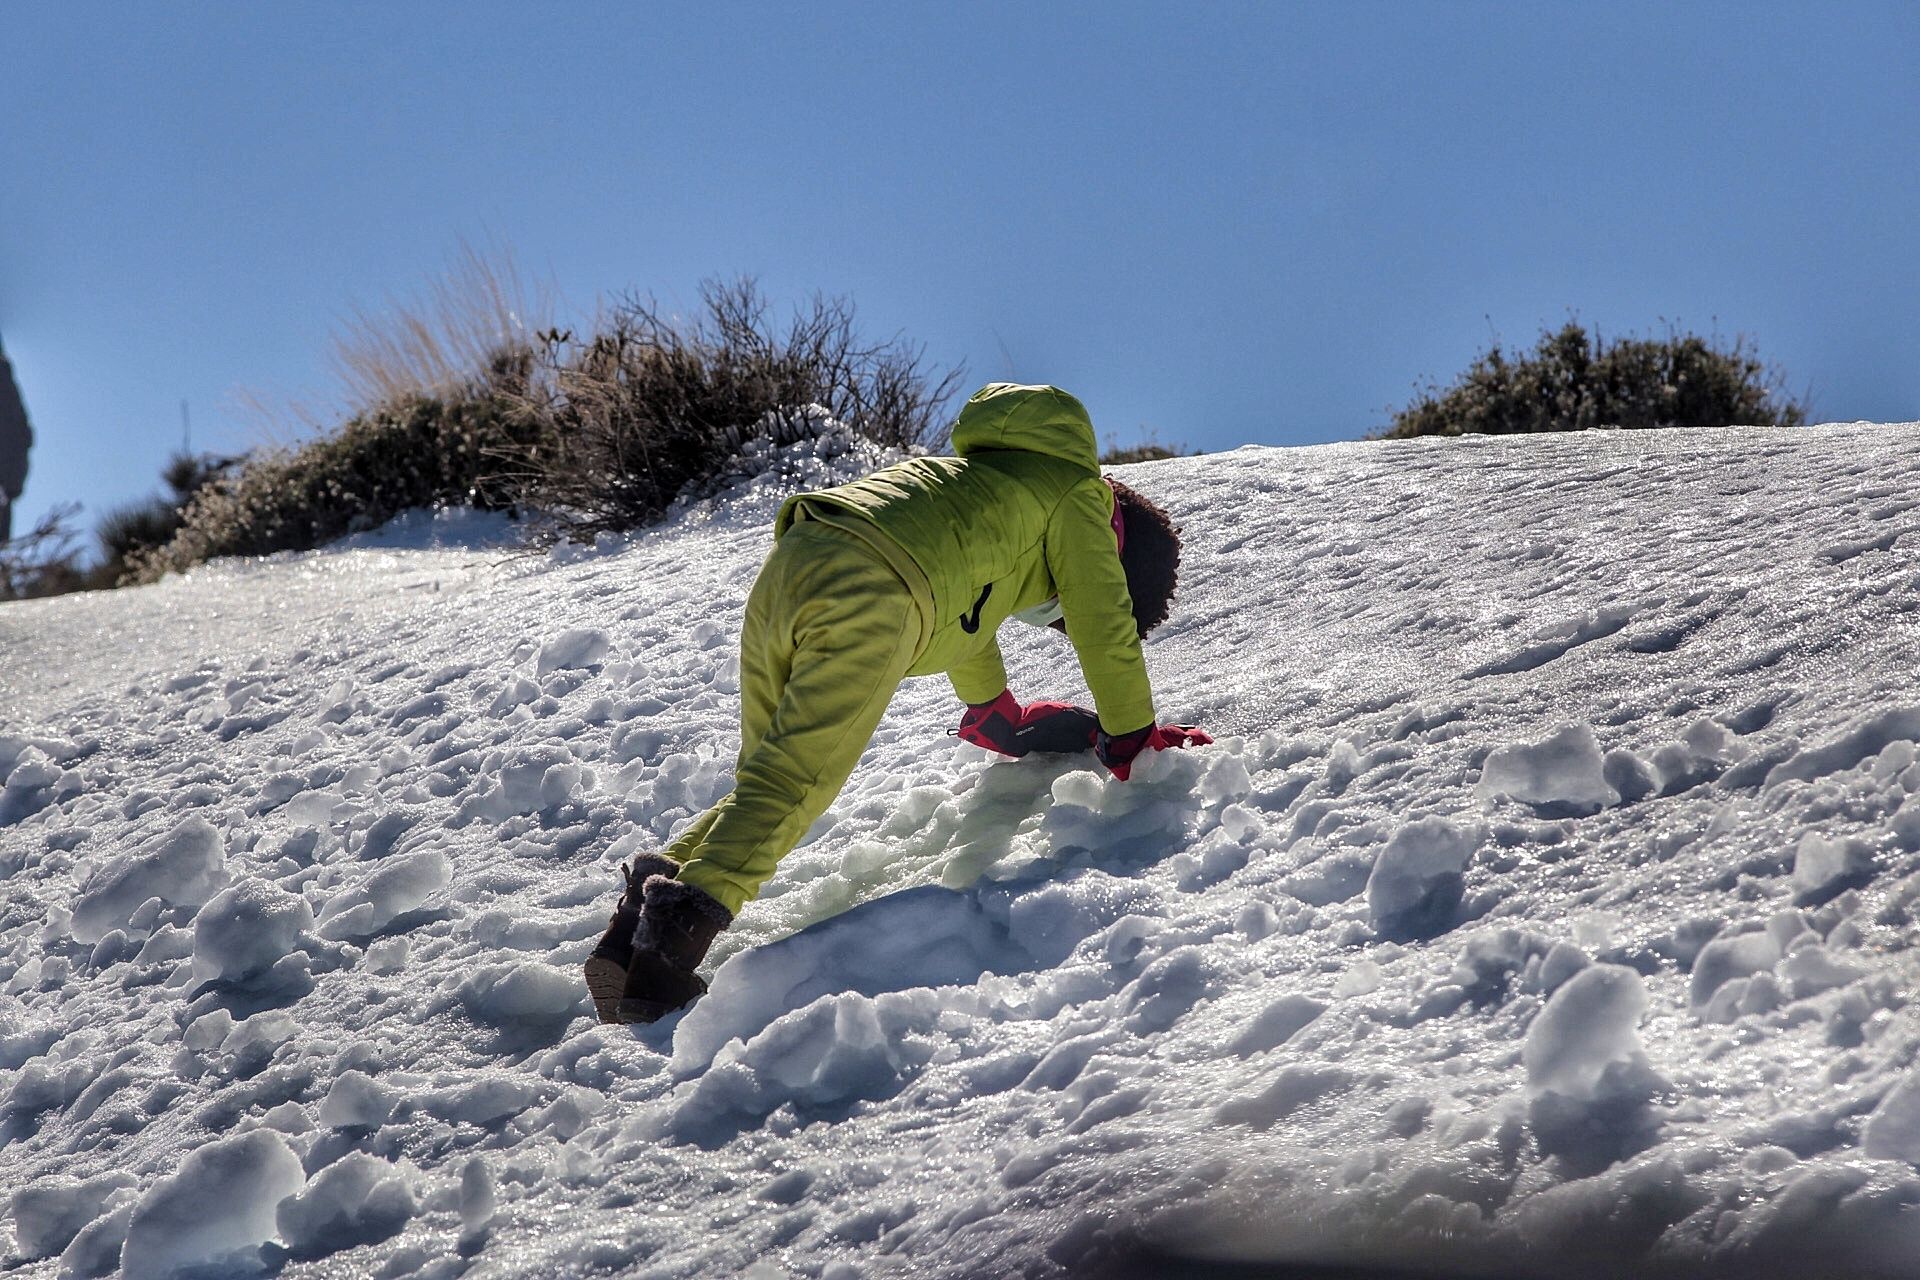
1550, 891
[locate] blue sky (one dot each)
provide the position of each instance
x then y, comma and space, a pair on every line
1223, 223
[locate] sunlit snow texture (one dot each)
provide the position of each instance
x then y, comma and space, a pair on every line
1549, 891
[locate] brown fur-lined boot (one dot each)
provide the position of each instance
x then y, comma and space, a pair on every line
606, 968
677, 924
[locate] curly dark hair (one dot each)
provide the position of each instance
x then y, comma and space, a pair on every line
1151, 556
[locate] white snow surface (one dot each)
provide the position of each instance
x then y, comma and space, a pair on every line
1551, 888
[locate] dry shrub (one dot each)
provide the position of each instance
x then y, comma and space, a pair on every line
1572, 381
44, 560
460, 405
653, 404
420, 453
466, 333
436, 385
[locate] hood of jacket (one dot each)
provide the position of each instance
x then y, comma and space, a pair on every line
1006, 415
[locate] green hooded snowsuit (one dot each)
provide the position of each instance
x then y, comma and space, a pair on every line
911, 571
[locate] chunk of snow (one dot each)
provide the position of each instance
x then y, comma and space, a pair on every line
1493, 956
506, 993
399, 885
1590, 1023
515, 693
492, 1097
246, 929
1564, 771
209, 1030
531, 779
215, 1211
1725, 960
1416, 884
1559, 964
388, 955
185, 867
1865, 738
96, 1250
478, 1195
1631, 777
31, 770
1226, 779
1892, 1130
357, 1199
1811, 970
357, 1101
50, 1211
840, 1048
571, 650
1905, 823
1820, 863
261, 1031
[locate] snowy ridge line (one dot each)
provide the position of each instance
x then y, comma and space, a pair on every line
1549, 895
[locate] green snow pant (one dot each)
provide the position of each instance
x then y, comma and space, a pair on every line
829, 634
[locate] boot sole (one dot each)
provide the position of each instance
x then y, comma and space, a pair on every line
606, 980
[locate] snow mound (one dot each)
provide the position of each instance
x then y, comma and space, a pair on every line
1276, 1024
924, 938
1550, 891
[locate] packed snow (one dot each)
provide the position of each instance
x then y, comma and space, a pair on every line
1549, 894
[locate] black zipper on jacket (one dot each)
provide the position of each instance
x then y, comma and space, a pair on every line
970, 623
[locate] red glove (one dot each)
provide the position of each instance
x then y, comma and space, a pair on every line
1118, 752
1005, 726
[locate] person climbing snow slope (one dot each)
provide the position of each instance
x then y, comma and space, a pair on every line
909, 571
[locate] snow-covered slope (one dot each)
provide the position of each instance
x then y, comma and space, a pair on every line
1548, 894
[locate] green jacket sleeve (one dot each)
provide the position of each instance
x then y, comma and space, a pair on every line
1099, 613
981, 677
